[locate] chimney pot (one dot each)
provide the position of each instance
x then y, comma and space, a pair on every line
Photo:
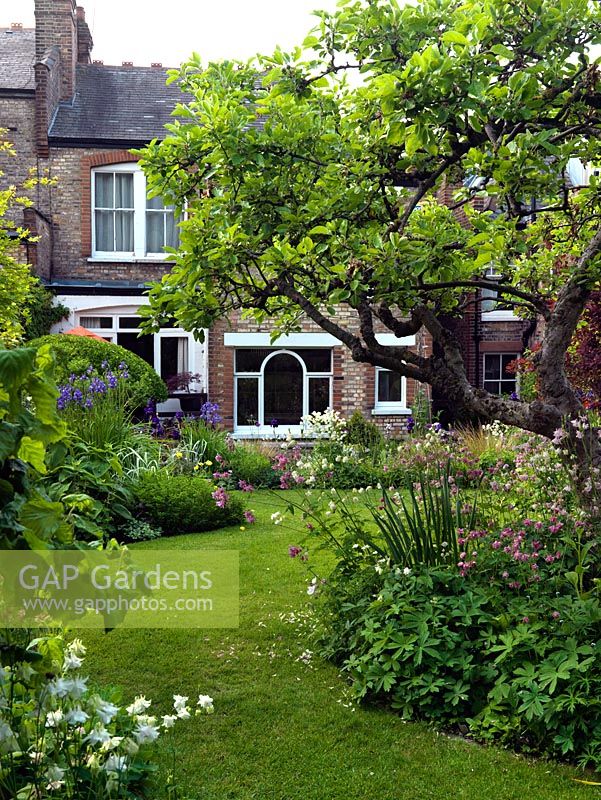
97, 61
127, 63
156, 64
81, 13
16, 26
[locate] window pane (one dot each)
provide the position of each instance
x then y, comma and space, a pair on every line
155, 203
155, 237
507, 387
492, 367
124, 229
319, 394
247, 401
104, 189
105, 232
96, 322
492, 386
506, 360
124, 190
316, 360
174, 356
389, 387
142, 346
129, 322
172, 230
283, 390
252, 359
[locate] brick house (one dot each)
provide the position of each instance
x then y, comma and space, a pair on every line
101, 240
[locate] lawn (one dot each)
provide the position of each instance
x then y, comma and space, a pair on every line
283, 729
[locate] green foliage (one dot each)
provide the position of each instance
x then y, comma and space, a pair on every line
363, 432
90, 483
29, 425
43, 312
16, 287
525, 671
422, 529
137, 530
74, 354
335, 197
184, 504
249, 464
206, 440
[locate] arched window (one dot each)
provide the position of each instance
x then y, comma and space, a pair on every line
275, 388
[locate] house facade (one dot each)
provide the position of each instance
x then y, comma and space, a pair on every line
100, 241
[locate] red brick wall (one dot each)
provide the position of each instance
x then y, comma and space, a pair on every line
71, 214
56, 25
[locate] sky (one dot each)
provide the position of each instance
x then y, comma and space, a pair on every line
144, 31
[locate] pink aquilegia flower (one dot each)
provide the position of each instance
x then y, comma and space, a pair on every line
294, 551
221, 497
249, 517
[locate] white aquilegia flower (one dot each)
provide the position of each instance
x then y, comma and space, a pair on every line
54, 718
59, 687
406, 571
115, 763
71, 662
77, 648
130, 747
106, 712
55, 777
139, 705
179, 701
98, 735
169, 720
76, 687
145, 734
312, 588
77, 716
205, 703
112, 743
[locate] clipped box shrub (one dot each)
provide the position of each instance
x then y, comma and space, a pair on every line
74, 354
185, 503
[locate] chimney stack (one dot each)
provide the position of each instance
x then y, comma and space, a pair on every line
16, 26
156, 65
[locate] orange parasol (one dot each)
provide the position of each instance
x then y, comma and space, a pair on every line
81, 331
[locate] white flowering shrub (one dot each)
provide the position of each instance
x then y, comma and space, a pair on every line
59, 738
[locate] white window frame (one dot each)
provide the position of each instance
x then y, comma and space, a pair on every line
502, 315
131, 311
500, 353
387, 408
139, 194
264, 428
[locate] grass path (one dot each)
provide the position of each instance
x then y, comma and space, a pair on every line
282, 729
